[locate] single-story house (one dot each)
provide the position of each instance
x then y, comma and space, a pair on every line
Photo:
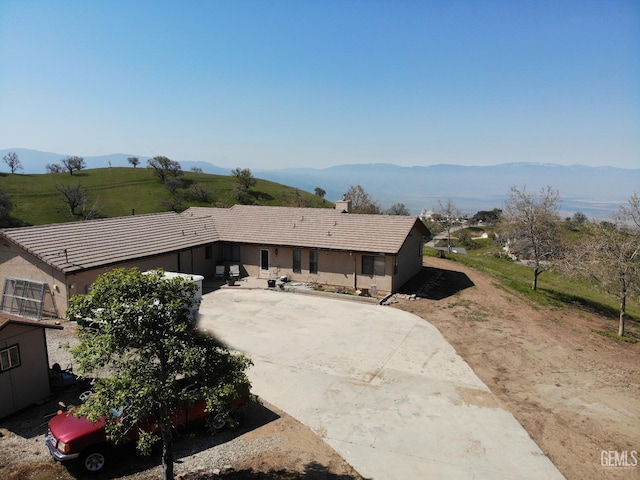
24, 363
315, 245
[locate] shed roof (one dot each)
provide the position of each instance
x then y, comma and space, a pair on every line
7, 319
77, 246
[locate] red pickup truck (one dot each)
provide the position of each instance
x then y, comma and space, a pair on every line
69, 437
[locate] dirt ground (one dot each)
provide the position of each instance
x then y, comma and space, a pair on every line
575, 392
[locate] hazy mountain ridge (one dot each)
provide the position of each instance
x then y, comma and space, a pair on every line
595, 191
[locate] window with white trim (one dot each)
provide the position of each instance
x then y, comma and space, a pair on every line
9, 358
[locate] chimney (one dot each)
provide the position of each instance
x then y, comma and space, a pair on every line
343, 206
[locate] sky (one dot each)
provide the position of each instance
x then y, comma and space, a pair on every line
277, 84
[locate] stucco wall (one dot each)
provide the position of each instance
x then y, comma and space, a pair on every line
336, 268
14, 262
28, 383
409, 258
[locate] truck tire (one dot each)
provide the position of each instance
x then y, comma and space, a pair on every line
94, 459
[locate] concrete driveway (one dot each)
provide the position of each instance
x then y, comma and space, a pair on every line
380, 385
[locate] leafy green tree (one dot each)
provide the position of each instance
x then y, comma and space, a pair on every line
244, 177
532, 225
13, 161
398, 209
140, 340
73, 164
320, 192
135, 161
164, 168
488, 217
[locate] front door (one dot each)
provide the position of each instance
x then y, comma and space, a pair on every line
264, 263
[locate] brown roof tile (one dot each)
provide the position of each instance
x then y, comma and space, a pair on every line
6, 319
311, 228
80, 245
94, 243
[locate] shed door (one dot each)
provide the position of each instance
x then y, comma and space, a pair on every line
264, 263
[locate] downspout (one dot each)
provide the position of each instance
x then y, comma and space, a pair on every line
355, 273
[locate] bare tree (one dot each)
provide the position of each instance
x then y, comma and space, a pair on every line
361, 201
53, 168
73, 195
73, 164
164, 168
451, 215
608, 253
531, 223
13, 161
200, 193
135, 161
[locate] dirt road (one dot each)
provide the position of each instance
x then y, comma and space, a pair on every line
575, 392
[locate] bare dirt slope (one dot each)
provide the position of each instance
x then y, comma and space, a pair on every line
575, 392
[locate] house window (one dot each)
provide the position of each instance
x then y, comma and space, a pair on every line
297, 261
208, 252
9, 358
231, 252
313, 261
373, 265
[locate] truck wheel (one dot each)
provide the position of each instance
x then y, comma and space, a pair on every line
94, 459
218, 422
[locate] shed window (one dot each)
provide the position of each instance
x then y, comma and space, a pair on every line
9, 358
373, 265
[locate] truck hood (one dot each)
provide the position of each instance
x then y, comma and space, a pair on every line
67, 428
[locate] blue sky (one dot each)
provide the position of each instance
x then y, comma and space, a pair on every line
270, 84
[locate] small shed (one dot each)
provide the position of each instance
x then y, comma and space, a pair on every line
24, 362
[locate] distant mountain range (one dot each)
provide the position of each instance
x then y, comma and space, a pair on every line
595, 191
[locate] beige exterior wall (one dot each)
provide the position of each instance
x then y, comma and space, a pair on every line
28, 383
335, 268
17, 263
409, 258
14, 262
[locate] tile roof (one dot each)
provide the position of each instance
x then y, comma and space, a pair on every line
6, 319
320, 228
82, 245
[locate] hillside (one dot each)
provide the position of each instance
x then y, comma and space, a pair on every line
595, 191
123, 191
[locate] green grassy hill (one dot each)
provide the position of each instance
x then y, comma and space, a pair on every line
119, 191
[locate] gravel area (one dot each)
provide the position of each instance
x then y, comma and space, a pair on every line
267, 442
